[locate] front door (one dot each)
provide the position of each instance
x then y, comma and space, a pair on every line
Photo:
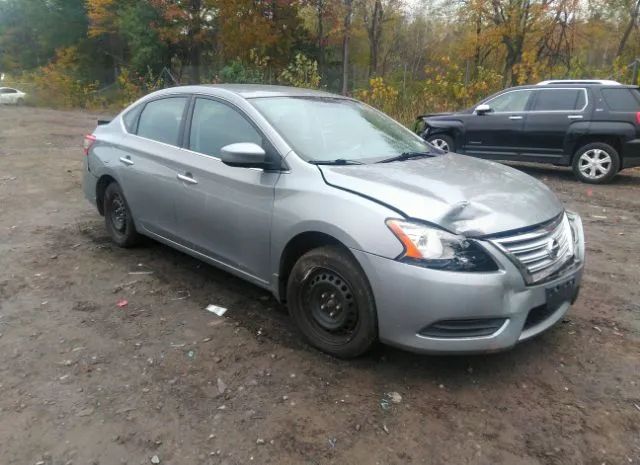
497, 133
225, 212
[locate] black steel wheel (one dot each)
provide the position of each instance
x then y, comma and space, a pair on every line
118, 218
331, 302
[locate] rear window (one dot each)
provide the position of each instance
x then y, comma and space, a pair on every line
622, 99
160, 120
559, 100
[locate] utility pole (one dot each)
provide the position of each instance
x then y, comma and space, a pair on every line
345, 45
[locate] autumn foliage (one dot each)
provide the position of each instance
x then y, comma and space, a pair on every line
404, 57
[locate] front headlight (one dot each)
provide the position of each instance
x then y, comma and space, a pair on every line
434, 248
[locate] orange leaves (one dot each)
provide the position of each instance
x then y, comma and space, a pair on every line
101, 15
246, 25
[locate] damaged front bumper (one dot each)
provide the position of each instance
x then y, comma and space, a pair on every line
434, 311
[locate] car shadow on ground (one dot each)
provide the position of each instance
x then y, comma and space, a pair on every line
257, 311
624, 178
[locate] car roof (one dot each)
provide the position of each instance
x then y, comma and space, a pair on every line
572, 85
604, 82
249, 91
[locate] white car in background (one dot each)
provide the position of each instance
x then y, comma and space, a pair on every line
10, 96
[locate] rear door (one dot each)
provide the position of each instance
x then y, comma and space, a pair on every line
497, 134
553, 111
225, 212
147, 163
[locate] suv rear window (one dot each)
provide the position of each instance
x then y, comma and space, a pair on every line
559, 100
622, 99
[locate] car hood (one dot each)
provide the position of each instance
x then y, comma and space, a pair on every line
431, 115
446, 115
461, 194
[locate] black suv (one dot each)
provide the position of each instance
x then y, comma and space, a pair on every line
593, 126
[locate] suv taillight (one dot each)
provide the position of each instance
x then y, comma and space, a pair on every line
89, 139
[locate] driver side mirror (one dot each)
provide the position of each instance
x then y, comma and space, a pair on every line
244, 155
483, 109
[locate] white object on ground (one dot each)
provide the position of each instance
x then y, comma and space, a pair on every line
217, 310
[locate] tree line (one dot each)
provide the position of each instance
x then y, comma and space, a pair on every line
442, 53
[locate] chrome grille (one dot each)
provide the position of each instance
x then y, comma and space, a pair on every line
541, 252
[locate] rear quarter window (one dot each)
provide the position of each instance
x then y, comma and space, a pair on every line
622, 99
130, 119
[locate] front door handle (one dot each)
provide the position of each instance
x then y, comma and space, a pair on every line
188, 178
574, 116
515, 117
126, 160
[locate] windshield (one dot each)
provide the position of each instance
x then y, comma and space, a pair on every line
325, 129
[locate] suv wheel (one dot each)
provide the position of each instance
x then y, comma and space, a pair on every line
596, 163
118, 218
331, 302
443, 142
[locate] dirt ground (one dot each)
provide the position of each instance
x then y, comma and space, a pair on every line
83, 381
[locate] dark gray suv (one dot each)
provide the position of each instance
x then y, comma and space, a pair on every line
592, 126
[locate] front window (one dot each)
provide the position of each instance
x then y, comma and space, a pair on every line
327, 128
513, 101
215, 125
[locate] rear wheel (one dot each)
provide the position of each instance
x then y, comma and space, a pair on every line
443, 142
118, 218
596, 163
331, 302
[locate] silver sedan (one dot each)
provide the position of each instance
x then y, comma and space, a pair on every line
367, 232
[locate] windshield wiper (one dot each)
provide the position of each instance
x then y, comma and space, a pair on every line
337, 161
407, 156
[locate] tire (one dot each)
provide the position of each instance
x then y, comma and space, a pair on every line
331, 302
607, 163
118, 219
442, 141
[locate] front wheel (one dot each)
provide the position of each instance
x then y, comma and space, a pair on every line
443, 142
596, 163
331, 302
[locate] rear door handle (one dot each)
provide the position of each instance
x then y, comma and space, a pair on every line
574, 116
126, 161
188, 178
515, 117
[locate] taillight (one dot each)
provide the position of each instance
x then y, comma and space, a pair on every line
89, 139
638, 118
